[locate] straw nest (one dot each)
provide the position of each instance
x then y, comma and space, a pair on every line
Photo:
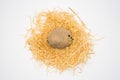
78, 52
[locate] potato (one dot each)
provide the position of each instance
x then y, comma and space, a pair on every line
60, 38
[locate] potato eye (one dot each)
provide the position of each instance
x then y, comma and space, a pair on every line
68, 35
71, 38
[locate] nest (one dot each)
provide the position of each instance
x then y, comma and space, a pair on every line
78, 52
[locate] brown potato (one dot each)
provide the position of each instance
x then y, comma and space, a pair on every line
59, 38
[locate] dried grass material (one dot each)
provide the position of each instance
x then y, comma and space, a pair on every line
77, 53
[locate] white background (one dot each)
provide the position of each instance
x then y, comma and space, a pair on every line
101, 16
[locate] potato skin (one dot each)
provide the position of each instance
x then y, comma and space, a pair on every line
59, 38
